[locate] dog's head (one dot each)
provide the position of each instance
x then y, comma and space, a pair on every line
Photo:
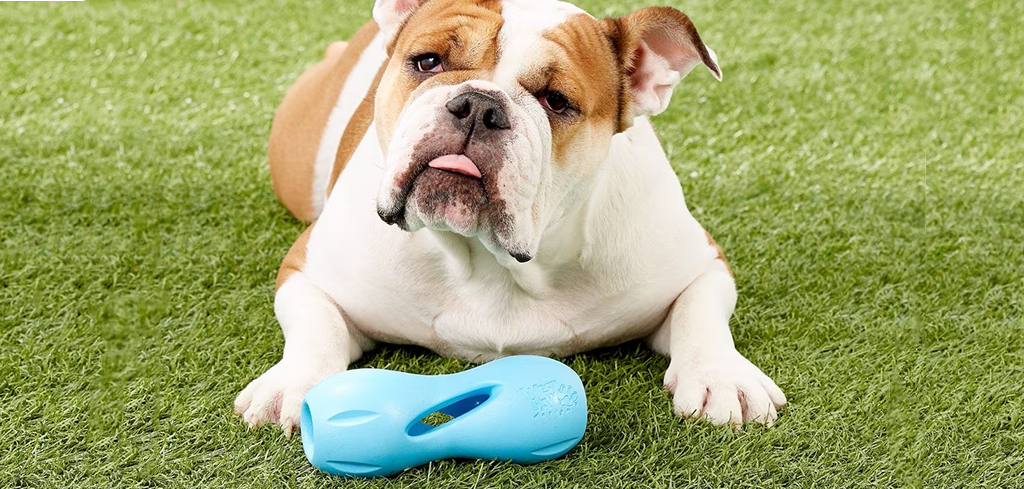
495, 115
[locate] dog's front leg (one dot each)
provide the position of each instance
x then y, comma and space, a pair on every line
708, 377
318, 343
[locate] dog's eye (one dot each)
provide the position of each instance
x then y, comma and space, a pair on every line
428, 63
554, 101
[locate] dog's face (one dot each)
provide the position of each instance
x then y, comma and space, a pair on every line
496, 115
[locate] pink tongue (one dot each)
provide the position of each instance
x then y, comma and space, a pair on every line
457, 164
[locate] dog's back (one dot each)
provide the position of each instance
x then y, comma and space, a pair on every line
322, 119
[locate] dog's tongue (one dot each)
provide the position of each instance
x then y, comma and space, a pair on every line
457, 164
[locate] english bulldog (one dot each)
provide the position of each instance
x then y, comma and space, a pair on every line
482, 180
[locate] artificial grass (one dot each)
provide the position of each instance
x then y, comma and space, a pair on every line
861, 165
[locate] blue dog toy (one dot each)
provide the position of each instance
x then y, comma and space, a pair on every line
372, 422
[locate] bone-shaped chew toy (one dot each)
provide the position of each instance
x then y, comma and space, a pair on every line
374, 422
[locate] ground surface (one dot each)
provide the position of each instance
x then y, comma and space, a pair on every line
861, 164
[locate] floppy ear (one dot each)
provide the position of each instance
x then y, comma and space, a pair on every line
657, 47
390, 14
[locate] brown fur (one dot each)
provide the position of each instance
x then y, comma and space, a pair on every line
355, 131
582, 66
300, 121
721, 254
295, 260
463, 32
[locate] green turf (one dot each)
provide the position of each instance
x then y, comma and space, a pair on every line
862, 164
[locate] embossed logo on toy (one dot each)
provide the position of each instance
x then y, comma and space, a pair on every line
551, 398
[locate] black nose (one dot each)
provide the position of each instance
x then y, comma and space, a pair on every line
477, 109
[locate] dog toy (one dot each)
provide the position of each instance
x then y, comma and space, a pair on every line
374, 422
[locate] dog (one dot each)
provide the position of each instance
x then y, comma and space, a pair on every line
483, 180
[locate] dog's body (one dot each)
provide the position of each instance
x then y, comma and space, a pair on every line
522, 224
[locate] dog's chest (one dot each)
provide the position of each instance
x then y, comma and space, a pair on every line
488, 317
480, 323
401, 297
485, 321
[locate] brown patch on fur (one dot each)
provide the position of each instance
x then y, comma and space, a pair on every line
300, 121
355, 130
441, 16
463, 32
721, 254
295, 259
581, 65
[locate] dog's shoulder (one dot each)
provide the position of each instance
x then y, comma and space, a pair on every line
322, 118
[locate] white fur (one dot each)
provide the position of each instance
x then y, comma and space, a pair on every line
625, 259
352, 94
525, 23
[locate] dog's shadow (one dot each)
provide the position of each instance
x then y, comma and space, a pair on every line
626, 401
622, 382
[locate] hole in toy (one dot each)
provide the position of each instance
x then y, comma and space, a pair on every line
446, 414
437, 418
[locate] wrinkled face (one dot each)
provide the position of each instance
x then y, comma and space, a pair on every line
494, 116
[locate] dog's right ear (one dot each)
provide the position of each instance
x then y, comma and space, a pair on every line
390, 15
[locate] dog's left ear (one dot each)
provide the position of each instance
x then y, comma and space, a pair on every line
391, 14
657, 47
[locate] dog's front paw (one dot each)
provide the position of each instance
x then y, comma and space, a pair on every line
276, 396
723, 388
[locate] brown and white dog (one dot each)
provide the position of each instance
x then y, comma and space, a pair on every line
483, 181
